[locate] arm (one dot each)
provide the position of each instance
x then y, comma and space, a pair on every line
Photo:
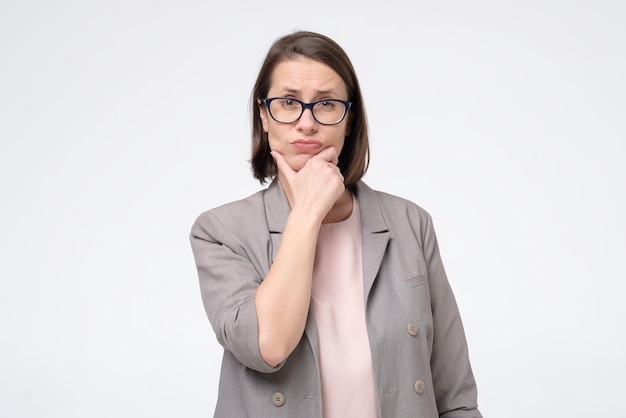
455, 387
261, 319
239, 301
282, 300
229, 278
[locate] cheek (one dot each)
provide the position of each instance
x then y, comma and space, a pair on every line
272, 142
277, 140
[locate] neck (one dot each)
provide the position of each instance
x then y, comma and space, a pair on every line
341, 210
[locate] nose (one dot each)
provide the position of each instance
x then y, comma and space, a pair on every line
307, 122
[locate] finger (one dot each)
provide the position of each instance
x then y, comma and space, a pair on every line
283, 166
329, 154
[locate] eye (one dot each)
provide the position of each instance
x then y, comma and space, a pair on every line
289, 103
327, 104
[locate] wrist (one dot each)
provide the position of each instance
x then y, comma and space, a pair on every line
305, 217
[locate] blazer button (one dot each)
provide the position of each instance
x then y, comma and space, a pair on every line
412, 329
419, 386
278, 399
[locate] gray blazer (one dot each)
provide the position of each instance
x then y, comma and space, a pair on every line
418, 346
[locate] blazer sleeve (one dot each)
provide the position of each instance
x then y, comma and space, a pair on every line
454, 384
228, 283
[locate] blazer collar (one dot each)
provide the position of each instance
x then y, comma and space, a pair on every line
276, 207
372, 219
374, 235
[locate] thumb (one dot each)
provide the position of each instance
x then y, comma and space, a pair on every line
283, 166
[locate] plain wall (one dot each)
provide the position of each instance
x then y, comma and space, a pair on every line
121, 121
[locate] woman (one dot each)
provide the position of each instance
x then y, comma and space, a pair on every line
330, 299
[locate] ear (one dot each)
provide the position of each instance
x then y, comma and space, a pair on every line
264, 116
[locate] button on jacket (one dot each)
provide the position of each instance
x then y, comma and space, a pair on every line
418, 346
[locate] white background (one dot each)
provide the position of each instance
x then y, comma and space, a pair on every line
120, 121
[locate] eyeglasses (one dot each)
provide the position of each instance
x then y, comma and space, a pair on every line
289, 110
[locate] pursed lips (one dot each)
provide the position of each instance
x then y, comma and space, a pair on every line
306, 144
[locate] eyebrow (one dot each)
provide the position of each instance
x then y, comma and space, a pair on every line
317, 92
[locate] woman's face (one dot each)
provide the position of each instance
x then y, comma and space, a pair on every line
306, 80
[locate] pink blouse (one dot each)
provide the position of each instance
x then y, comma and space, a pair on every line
348, 387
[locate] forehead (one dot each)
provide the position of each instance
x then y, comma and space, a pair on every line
305, 76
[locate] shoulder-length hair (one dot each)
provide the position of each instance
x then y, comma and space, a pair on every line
354, 157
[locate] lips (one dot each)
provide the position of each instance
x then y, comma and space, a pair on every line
307, 144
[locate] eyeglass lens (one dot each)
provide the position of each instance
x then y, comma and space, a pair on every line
325, 111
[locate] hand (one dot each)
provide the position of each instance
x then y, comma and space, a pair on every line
317, 186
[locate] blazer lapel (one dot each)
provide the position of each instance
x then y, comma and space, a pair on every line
375, 235
277, 211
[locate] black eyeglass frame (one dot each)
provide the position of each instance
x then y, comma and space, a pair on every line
306, 106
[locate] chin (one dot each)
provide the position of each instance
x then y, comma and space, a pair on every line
297, 162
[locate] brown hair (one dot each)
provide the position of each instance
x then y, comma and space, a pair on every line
354, 157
